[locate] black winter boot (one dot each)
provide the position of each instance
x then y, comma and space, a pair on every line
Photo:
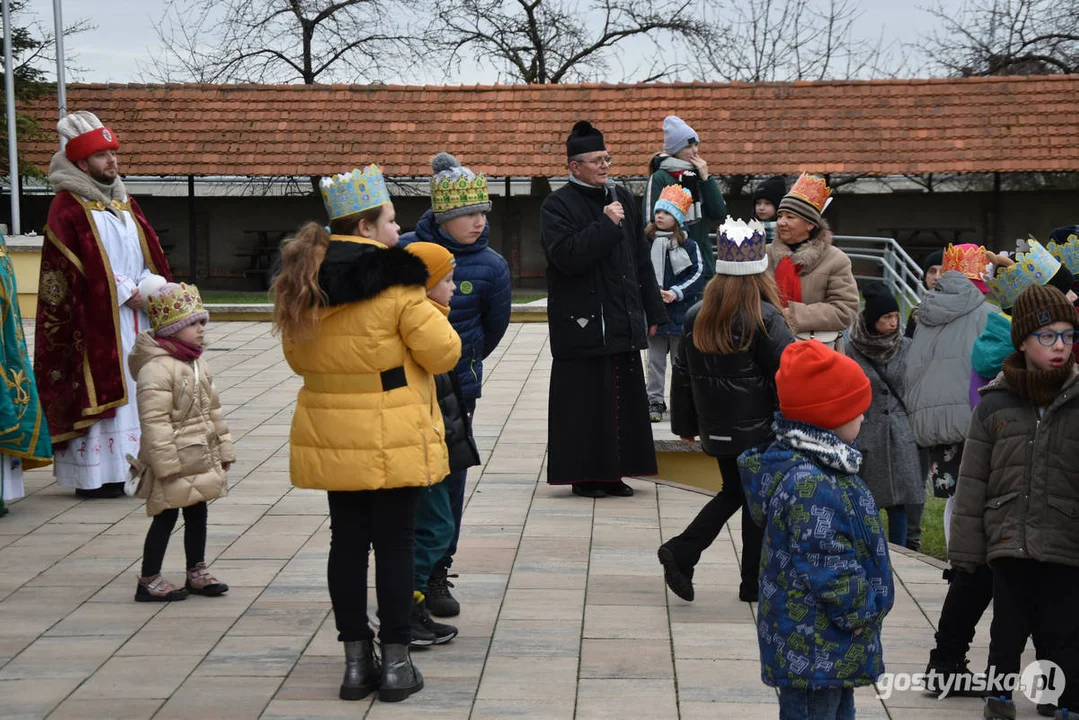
362, 671
400, 678
678, 580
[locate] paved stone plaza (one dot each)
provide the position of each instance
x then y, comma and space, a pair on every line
565, 613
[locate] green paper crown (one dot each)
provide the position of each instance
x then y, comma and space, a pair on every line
453, 193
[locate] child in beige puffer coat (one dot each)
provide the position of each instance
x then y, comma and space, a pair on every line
186, 447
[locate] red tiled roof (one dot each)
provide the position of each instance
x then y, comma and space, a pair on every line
1008, 124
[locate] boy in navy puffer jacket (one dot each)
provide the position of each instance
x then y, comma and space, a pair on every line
479, 312
825, 580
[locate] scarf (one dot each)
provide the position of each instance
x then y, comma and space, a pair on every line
665, 247
686, 174
65, 175
788, 281
822, 445
184, 352
879, 349
1038, 387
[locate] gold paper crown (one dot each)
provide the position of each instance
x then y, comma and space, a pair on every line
1034, 265
354, 192
677, 196
968, 259
173, 306
450, 194
813, 189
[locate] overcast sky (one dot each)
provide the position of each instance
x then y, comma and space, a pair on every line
123, 41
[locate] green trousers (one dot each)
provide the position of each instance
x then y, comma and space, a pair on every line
434, 532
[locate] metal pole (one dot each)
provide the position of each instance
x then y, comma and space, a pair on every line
193, 239
12, 130
61, 79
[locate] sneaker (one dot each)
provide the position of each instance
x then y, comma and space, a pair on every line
425, 630
157, 589
655, 411
440, 602
201, 582
998, 708
1058, 713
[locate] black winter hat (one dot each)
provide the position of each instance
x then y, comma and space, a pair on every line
1061, 234
584, 139
934, 258
773, 189
878, 303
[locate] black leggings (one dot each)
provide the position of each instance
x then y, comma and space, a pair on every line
704, 529
157, 538
359, 520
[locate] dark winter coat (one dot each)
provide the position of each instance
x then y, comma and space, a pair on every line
729, 400
891, 467
686, 286
602, 294
712, 206
459, 441
480, 308
1018, 490
825, 570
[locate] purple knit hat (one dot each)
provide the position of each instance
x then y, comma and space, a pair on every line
175, 306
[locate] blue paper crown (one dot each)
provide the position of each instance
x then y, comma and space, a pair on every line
354, 192
1033, 266
1067, 253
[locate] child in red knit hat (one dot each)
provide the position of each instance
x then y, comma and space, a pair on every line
825, 580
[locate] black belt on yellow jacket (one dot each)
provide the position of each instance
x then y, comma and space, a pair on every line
356, 382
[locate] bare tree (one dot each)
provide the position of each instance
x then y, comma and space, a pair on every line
1006, 37
786, 40
279, 41
555, 41
33, 50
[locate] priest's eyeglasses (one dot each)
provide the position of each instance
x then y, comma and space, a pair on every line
1049, 338
599, 162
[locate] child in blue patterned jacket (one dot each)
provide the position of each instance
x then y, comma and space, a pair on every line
825, 579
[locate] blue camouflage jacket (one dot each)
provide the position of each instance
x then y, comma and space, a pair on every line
825, 573
480, 307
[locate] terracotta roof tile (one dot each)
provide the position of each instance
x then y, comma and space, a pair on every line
1013, 124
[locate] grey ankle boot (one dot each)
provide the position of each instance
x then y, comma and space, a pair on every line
362, 672
400, 678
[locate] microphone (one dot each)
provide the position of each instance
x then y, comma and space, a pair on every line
612, 195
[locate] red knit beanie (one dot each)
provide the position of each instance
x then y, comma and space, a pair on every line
817, 385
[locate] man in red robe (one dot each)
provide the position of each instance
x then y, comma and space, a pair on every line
98, 249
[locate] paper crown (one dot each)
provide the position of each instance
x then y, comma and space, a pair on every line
809, 197
675, 200
1066, 252
173, 307
448, 194
354, 192
740, 248
1034, 265
968, 259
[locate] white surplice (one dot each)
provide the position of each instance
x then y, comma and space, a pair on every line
99, 457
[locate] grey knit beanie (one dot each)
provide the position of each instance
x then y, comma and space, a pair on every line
677, 135
456, 190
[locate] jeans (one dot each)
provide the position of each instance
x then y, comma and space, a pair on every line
1032, 598
157, 538
455, 486
914, 526
820, 704
359, 520
702, 532
659, 346
897, 524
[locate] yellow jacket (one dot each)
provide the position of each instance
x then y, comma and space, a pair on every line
367, 417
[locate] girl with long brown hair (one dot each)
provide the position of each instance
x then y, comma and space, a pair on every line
723, 389
355, 323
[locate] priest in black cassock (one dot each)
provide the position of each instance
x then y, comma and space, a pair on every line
602, 303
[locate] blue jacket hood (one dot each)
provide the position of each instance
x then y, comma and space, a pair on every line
428, 230
992, 346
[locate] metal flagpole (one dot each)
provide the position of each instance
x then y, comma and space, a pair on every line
12, 142
61, 80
